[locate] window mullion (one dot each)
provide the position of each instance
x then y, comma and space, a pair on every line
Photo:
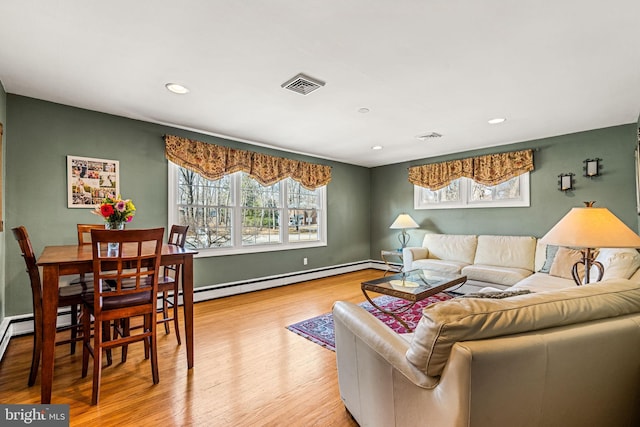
237, 207
284, 211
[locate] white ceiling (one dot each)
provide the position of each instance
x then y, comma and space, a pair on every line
550, 67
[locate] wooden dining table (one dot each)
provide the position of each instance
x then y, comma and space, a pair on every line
57, 261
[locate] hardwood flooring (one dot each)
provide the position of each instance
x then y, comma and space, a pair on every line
249, 369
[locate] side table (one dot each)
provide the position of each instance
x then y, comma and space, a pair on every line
392, 268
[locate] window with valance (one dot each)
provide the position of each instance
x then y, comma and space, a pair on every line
215, 161
237, 201
490, 169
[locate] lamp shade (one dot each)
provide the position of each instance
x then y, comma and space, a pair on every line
591, 227
404, 221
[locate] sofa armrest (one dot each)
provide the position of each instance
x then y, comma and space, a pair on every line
353, 323
411, 254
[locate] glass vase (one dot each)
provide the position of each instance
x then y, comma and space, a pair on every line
113, 225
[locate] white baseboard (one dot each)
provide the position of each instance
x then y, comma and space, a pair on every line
13, 326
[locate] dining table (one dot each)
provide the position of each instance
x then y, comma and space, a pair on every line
58, 261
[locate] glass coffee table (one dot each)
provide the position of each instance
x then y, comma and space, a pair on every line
412, 286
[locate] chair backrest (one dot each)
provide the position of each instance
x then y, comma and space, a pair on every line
84, 232
178, 235
21, 235
131, 269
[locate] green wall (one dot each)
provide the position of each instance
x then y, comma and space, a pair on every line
392, 193
43, 134
362, 202
3, 120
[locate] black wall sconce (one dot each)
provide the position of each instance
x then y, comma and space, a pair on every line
592, 167
565, 181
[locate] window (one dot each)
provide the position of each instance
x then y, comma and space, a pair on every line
466, 193
236, 214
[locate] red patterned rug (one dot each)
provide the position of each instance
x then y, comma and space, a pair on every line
319, 329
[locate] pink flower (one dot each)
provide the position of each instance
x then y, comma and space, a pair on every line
121, 205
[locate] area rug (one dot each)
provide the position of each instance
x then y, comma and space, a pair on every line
320, 330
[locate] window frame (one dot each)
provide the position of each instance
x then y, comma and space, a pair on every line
465, 192
236, 246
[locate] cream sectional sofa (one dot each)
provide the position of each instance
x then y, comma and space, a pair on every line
504, 261
561, 355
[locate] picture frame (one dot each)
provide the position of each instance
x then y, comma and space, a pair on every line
90, 180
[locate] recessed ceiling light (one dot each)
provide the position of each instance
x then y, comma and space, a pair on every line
176, 88
363, 110
377, 147
497, 121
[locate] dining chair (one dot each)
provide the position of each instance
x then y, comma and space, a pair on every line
84, 238
168, 281
68, 296
133, 270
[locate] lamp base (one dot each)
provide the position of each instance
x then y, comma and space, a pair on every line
403, 238
588, 260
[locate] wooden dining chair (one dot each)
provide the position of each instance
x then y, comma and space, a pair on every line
84, 238
68, 296
169, 281
133, 268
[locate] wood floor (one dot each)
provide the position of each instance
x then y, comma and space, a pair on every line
249, 369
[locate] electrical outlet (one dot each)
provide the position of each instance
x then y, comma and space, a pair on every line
304, 261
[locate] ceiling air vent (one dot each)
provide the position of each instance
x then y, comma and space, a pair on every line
303, 84
430, 135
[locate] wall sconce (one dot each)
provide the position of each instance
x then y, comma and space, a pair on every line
592, 167
565, 181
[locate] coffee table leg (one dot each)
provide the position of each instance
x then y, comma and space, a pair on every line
392, 313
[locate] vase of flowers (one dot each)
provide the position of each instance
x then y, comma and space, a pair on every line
116, 212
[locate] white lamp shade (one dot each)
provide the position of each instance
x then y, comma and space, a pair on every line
404, 221
591, 227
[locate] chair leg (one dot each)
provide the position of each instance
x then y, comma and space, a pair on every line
97, 364
154, 349
146, 326
35, 355
106, 331
86, 342
74, 327
175, 315
165, 311
126, 331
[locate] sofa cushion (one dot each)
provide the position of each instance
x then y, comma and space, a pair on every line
540, 282
563, 262
451, 247
618, 263
506, 251
439, 265
549, 255
541, 255
492, 274
463, 319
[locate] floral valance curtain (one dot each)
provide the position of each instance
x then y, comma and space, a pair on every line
214, 161
491, 169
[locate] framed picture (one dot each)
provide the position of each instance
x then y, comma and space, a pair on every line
91, 180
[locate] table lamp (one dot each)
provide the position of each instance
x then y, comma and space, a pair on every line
588, 228
404, 221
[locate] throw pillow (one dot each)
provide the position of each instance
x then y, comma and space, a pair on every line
563, 262
497, 294
551, 254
